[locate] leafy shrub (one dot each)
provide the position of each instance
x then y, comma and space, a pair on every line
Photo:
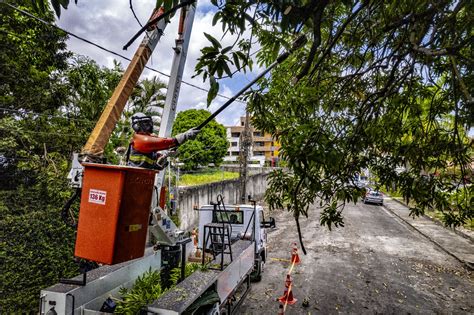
36, 251
147, 288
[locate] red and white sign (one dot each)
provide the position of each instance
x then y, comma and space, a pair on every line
97, 196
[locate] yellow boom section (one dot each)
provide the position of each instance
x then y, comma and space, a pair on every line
105, 125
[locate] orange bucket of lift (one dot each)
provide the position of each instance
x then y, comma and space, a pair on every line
114, 213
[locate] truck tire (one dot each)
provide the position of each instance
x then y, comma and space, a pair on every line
257, 273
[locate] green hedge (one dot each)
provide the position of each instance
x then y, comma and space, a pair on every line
36, 251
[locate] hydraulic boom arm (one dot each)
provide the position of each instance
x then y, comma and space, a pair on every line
114, 108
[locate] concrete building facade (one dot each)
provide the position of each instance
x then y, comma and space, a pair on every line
264, 149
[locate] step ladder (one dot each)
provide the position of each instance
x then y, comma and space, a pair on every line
217, 235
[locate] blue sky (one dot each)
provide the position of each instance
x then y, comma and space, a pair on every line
111, 24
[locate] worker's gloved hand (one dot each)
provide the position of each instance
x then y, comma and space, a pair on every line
185, 136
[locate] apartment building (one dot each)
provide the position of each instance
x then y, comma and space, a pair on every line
264, 149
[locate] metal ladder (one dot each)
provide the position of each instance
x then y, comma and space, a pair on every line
218, 236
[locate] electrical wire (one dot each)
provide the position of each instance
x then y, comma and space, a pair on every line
157, 19
134, 14
108, 50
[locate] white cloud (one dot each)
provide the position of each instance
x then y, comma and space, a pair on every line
111, 24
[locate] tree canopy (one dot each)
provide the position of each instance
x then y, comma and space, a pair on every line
50, 100
380, 85
210, 146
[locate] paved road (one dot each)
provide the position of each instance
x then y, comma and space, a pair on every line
375, 264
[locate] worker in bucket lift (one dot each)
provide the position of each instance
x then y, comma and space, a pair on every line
144, 148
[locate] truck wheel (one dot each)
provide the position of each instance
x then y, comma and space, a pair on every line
257, 274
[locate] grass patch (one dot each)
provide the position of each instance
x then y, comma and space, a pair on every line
392, 193
434, 214
438, 216
207, 177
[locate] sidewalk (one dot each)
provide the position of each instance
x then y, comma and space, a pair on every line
455, 245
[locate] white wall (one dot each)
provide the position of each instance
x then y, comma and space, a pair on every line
196, 196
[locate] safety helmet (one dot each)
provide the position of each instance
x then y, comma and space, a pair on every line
142, 123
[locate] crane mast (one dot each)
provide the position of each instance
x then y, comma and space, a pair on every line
99, 137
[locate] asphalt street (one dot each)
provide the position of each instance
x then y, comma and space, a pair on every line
376, 264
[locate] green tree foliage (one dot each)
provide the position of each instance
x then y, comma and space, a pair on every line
92, 86
49, 104
32, 53
210, 146
147, 98
36, 247
145, 290
373, 88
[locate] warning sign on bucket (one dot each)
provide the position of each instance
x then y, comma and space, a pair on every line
97, 196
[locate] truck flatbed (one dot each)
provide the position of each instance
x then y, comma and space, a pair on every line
100, 284
178, 299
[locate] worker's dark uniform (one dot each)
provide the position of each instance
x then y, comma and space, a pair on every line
143, 150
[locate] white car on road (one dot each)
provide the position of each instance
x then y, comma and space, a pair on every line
374, 197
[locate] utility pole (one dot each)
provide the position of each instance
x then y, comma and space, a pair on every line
186, 21
244, 146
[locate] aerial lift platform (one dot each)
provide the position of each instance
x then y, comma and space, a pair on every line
239, 254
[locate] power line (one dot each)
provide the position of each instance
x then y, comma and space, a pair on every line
134, 14
108, 50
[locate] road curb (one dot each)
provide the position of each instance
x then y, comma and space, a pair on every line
458, 232
467, 265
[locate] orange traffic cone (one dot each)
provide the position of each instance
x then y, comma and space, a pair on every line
281, 310
295, 258
287, 296
194, 234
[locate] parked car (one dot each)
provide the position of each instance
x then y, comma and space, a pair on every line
373, 196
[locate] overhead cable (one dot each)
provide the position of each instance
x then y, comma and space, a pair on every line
155, 20
108, 50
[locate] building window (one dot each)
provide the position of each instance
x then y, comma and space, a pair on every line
257, 134
235, 153
235, 134
234, 144
257, 153
242, 123
259, 143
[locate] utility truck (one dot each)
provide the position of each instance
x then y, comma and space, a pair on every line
232, 239
120, 205
235, 238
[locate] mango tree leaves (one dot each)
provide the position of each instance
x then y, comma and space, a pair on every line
42, 5
212, 91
